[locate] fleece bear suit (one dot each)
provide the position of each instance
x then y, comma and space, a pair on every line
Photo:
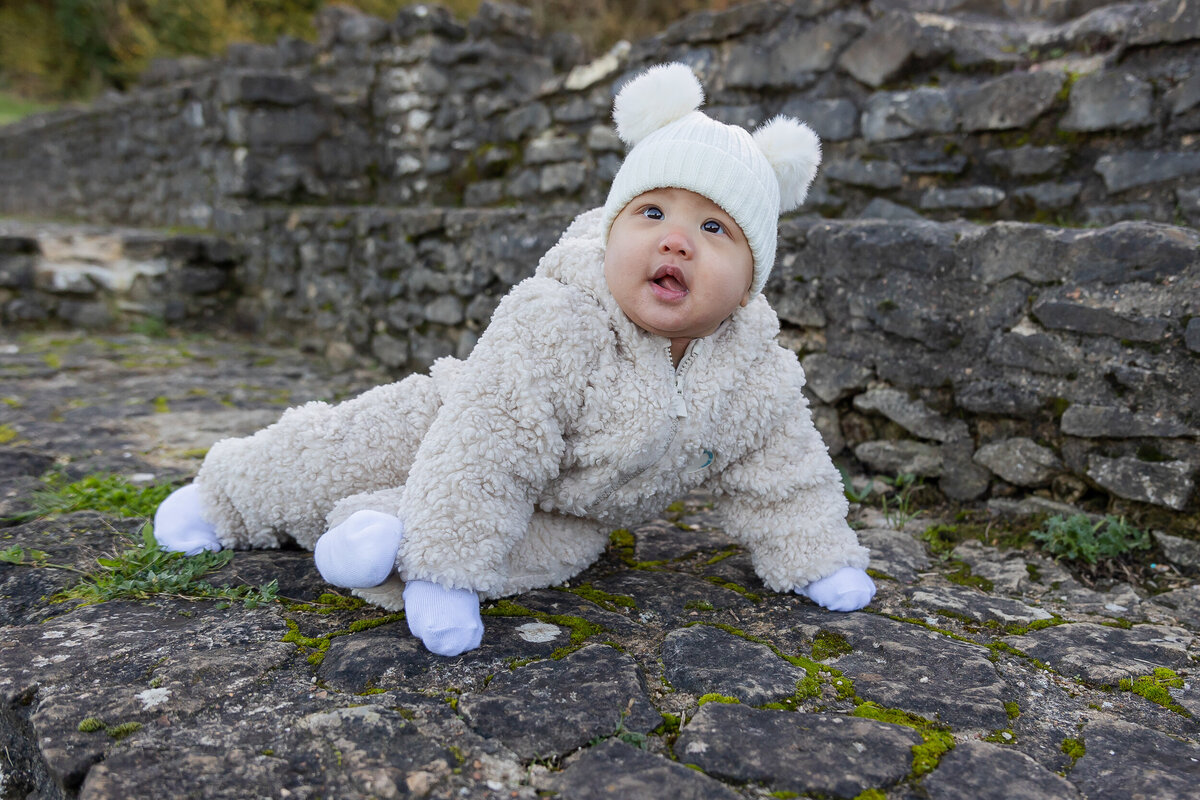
509, 469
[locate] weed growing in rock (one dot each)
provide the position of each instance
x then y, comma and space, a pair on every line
900, 507
1077, 538
145, 570
110, 494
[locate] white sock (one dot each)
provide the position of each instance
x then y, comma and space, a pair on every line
360, 552
180, 526
848, 589
446, 620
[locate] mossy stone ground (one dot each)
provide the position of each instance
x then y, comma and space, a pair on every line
1040, 683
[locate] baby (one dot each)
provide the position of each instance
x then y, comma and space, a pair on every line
636, 365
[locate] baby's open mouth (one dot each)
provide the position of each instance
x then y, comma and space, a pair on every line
670, 278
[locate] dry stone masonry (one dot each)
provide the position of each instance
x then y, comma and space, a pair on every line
996, 285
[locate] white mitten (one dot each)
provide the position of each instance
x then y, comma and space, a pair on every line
446, 620
360, 552
848, 589
180, 526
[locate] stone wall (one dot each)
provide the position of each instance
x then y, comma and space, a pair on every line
1089, 120
379, 191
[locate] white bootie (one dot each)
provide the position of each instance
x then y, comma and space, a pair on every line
848, 589
446, 620
360, 552
180, 526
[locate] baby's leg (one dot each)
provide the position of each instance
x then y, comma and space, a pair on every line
179, 524
282, 481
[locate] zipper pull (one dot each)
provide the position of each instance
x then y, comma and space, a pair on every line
678, 406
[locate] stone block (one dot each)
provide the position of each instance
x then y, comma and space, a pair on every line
1020, 461
1012, 101
899, 115
833, 120
1168, 483
873, 174
704, 660
1001, 250
882, 52
777, 58
1180, 551
1191, 335
901, 457
912, 415
566, 178
1109, 100
962, 478
965, 199
1049, 196
446, 310
1093, 422
273, 88
1189, 203
986, 771
1027, 161
1165, 21
1071, 316
1033, 351
1185, 95
551, 149
880, 208
825, 755
282, 128
1133, 168
989, 396
831, 378
615, 769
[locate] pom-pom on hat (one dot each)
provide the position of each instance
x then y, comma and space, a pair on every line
674, 145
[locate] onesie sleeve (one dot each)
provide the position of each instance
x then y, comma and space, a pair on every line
783, 499
498, 438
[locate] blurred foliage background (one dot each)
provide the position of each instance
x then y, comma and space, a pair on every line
57, 50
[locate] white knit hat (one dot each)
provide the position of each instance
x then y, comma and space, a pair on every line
753, 178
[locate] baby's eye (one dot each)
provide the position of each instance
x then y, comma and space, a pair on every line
712, 226
652, 212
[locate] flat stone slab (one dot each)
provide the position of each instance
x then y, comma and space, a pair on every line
1103, 655
824, 754
312, 697
703, 659
552, 707
900, 665
895, 553
983, 771
616, 770
976, 605
1124, 760
670, 595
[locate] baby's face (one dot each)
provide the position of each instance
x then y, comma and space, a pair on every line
677, 264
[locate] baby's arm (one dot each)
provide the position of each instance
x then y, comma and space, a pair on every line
785, 502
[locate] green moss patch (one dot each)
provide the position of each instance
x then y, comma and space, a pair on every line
319, 645
938, 740
609, 602
1156, 688
827, 644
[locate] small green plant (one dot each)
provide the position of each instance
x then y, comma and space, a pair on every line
899, 508
111, 494
144, 571
91, 725
1077, 538
852, 494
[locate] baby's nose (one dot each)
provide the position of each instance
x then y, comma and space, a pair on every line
675, 242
